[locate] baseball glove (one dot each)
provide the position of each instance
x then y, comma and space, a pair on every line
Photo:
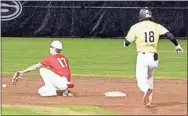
17, 76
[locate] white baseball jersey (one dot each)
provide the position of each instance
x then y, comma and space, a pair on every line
146, 35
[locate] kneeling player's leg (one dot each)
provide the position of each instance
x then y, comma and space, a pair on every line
47, 91
51, 78
46, 76
60, 82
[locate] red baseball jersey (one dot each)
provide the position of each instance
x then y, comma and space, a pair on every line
58, 64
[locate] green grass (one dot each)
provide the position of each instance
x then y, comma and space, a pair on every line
11, 110
52, 110
94, 109
93, 56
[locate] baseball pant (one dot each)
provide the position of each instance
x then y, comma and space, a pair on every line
145, 68
52, 83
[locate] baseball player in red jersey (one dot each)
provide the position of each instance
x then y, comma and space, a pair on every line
56, 80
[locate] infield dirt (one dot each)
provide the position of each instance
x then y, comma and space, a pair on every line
169, 96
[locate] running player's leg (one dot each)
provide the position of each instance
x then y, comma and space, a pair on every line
142, 81
151, 70
142, 68
150, 79
141, 77
142, 73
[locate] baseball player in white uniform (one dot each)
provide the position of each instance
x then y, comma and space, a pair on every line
146, 35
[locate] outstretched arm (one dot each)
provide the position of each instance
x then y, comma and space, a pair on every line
172, 38
163, 31
33, 67
174, 41
17, 76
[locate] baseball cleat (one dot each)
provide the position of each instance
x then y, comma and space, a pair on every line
67, 93
150, 100
148, 104
145, 99
64, 93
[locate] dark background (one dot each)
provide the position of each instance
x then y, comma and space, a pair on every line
83, 19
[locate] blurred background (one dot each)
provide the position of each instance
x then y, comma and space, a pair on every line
85, 19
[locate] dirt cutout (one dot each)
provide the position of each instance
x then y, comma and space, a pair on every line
169, 96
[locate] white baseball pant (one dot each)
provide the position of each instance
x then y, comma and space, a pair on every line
145, 68
52, 83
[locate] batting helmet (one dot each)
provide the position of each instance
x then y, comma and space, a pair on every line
145, 13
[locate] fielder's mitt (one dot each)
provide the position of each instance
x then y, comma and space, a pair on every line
16, 77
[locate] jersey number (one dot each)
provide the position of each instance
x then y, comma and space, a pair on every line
62, 62
149, 36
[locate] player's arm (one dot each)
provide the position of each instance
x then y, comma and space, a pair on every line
170, 36
33, 67
43, 63
130, 37
17, 76
174, 41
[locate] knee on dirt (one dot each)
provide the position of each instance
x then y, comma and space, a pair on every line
47, 91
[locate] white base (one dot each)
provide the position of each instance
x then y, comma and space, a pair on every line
115, 94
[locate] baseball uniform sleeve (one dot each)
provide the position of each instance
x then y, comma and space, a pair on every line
162, 30
131, 36
45, 62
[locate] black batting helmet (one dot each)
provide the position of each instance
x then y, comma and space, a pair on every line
145, 13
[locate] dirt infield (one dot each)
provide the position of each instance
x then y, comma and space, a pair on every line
170, 96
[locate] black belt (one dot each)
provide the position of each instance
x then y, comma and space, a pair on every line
142, 52
145, 52
155, 56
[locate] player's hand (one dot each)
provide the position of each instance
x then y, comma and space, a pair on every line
179, 48
17, 76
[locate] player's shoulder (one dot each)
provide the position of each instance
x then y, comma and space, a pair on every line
135, 25
57, 55
158, 24
47, 58
61, 55
138, 24
154, 23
